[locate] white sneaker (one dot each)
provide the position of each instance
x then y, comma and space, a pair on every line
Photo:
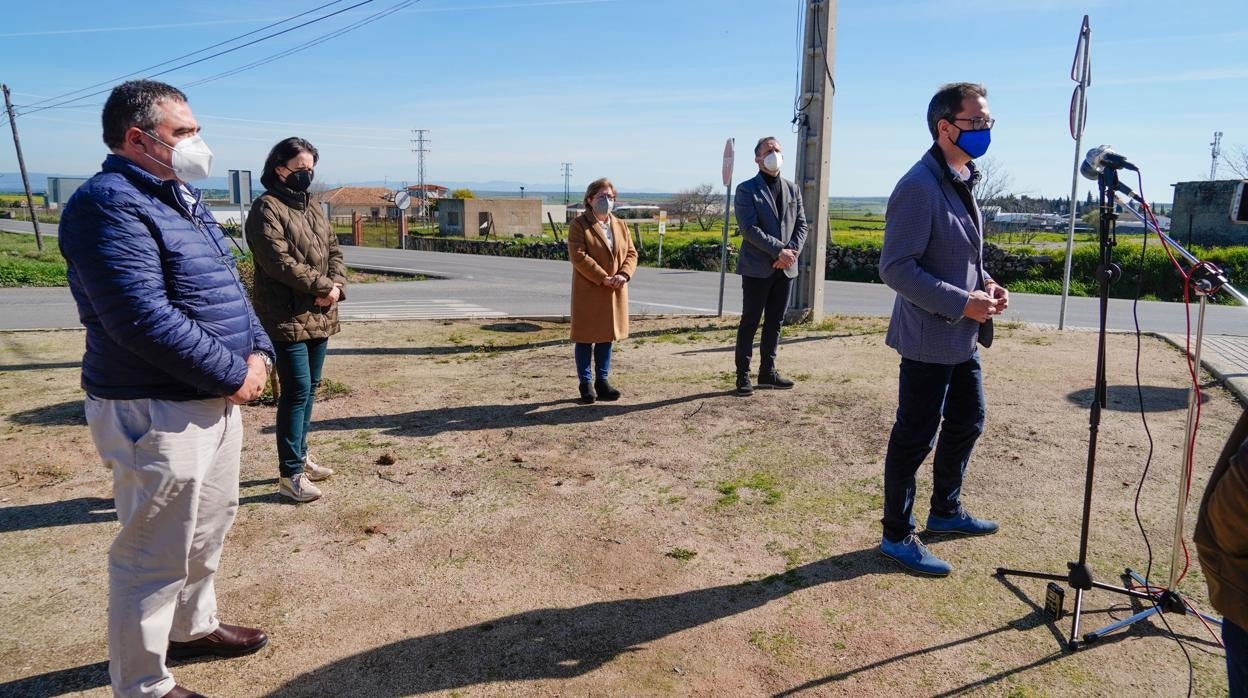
315, 472
298, 488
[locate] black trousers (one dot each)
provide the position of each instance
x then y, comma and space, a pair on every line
761, 299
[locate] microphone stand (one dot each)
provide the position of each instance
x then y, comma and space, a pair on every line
1079, 576
1207, 280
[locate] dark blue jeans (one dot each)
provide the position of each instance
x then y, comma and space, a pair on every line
926, 395
761, 299
1235, 639
299, 374
602, 360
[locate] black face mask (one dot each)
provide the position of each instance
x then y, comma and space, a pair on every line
299, 180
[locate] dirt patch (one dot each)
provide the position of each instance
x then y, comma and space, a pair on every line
486, 535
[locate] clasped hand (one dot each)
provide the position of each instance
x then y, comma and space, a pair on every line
787, 258
333, 296
253, 384
615, 281
982, 305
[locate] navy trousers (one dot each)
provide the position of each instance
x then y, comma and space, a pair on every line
932, 399
761, 299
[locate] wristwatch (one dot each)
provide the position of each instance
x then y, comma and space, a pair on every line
268, 363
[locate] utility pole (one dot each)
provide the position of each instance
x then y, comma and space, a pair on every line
21, 164
813, 148
421, 148
1215, 149
567, 179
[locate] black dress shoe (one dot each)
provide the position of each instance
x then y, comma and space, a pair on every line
587, 393
225, 641
743, 384
774, 380
179, 692
605, 391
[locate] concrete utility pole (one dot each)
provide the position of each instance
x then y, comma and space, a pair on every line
421, 142
21, 165
813, 146
567, 179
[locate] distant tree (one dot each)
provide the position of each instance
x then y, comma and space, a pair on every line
994, 183
463, 194
700, 204
1238, 162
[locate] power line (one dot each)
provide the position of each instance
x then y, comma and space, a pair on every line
209, 57
307, 44
185, 55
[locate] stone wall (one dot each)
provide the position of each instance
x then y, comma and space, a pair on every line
843, 263
1202, 214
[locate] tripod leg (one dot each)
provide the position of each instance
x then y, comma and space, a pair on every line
1073, 644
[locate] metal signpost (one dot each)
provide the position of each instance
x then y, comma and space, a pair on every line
723, 248
1080, 72
662, 230
402, 200
239, 183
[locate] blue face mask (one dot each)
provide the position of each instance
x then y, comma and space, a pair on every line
974, 143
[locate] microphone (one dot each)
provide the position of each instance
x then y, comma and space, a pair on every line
1103, 156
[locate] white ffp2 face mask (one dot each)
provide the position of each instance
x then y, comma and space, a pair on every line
192, 158
773, 162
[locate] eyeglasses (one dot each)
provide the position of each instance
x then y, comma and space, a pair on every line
978, 123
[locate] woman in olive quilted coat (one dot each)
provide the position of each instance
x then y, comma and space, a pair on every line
299, 282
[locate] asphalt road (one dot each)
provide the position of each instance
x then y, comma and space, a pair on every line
482, 286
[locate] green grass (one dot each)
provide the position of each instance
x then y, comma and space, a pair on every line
762, 483
683, 554
22, 264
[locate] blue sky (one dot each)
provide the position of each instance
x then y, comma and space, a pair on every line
643, 91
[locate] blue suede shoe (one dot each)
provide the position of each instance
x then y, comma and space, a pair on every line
910, 553
961, 522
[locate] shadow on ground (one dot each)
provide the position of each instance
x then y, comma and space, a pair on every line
490, 348
69, 512
473, 417
62, 414
1126, 398
557, 643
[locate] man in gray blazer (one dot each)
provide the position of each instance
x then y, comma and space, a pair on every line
933, 259
772, 223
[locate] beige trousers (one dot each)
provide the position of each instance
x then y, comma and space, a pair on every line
175, 483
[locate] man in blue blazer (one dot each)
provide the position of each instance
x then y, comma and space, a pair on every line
933, 259
773, 229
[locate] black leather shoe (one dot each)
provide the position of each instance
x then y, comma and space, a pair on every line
225, 641
605, 391
774, 380
587, 393
743, 384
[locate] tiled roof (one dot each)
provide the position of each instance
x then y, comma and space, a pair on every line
358, 196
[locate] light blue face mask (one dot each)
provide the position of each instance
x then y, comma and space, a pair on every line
974, 143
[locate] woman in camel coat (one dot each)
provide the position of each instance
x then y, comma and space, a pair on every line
603, 261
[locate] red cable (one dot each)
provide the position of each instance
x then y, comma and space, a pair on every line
1192, 369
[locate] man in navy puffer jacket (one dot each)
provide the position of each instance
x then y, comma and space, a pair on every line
173, 349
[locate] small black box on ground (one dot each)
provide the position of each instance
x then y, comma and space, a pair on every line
1054, 598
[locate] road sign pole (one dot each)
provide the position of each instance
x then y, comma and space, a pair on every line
1081, 72
723, 247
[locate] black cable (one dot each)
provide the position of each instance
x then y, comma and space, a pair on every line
799, 107
821, 44
307, 44
209, 57
185, 55
1139, 391
1148, 572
